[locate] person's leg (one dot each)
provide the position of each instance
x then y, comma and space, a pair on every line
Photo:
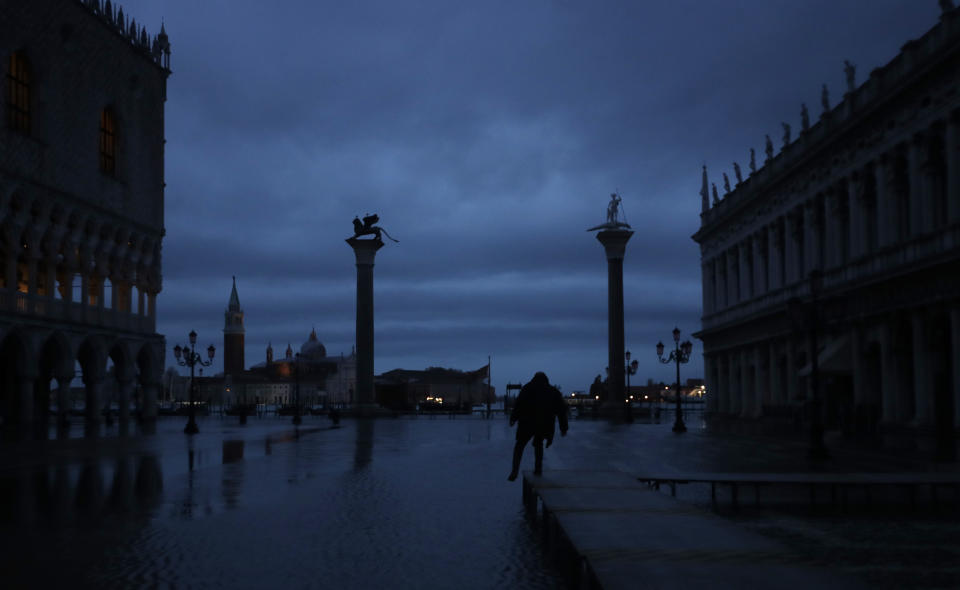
518, 454
538, 455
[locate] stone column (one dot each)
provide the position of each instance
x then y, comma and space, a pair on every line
859, 378
720, 265
917, 198
63, 399
723, 384
858, 223
886, 230
955, 361
774, 269
614, 246
746, 288
793, 231
888, 377
756, 383
792, 377
760, 263
365, 252
125, 387
94, 387
923, 395
732, 276
952, 145
25, 392
734, 399
777, 395
150, 392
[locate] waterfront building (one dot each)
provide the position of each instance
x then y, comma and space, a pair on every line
81, 207
858, 218
404, 388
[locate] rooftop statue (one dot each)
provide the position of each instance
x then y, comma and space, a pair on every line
825, 99
613, 215
850, 71
769, 149
804, 117
786, 134
753, 161
367, 228
737, 172
726, 183
716, 199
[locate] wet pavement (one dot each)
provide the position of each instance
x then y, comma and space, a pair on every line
411, 502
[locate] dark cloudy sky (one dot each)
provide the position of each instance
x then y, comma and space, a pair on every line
488, 136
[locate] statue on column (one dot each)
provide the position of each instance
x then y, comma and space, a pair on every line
804, 117
753, 161
850, 71
367, 228
786, 134
726, 183
613, 215
737, 173
612, 208
716, 199
769, 149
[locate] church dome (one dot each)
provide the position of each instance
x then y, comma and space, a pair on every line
313, 348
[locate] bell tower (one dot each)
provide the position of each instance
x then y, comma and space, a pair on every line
233, 335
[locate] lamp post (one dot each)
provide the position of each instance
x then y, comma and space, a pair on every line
188, 357
296, 391
811, 317
630, 368
681, 354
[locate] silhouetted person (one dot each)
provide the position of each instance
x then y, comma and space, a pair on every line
334, 416
535, 409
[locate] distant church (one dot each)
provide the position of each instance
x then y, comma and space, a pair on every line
322, 380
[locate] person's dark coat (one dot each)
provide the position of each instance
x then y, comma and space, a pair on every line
536, 407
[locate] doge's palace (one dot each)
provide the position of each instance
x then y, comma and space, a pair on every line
850, 234
81, 210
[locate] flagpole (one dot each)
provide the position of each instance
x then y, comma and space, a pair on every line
488, 386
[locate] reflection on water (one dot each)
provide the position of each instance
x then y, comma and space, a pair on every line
389, 503
364, 446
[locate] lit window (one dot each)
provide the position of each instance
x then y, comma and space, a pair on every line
18, 94
108, 142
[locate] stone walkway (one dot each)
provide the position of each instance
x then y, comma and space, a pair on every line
610, 532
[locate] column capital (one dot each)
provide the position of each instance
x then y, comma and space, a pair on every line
365, 250
614, 242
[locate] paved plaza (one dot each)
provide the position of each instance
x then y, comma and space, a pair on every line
409, 502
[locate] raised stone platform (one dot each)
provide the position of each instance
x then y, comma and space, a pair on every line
609, 531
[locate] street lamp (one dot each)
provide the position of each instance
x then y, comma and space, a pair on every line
681, 354
188, 357
811, 317
296, 391
630, 368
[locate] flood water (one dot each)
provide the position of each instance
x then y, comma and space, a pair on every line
409, 502
390, 503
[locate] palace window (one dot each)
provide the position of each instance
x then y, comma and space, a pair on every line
18, 94
108, 142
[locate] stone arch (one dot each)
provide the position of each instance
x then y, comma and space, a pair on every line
17, 372
55, 362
